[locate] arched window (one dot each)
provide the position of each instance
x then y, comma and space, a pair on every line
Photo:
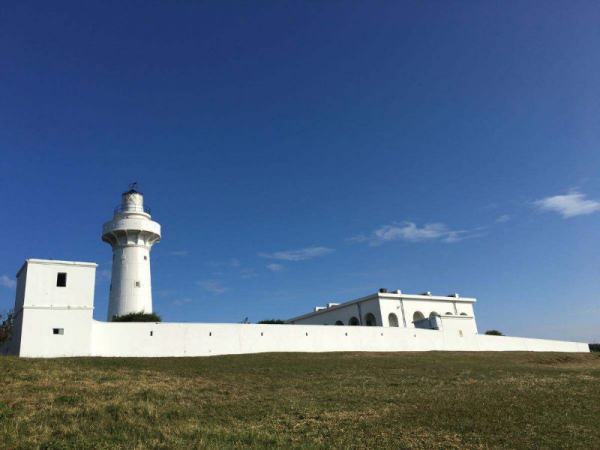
417, 316
433, 314
339, 322
353, 321
393, 320
463, 314
448, 313
370, 320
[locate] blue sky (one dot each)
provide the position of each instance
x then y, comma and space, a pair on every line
297, 153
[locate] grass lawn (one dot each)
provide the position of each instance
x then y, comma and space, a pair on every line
390, 400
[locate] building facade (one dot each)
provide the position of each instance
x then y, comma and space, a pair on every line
395, 309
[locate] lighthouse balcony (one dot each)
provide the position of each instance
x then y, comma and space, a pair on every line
132, 208
129, 225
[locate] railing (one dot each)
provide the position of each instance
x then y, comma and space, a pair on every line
132, 208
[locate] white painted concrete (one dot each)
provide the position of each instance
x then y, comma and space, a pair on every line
405, 308
42, 306
118, 339
54, 304
131, 233
54, 321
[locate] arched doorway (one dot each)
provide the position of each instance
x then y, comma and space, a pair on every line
339, 322
370, 320
434, 320
419, 320
353, 321
393, 320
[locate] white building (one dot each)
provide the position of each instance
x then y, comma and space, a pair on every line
55, 300
395, 309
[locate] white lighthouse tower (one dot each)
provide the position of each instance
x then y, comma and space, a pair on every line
131, 233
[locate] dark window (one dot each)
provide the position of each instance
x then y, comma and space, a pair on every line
152, 333
61, 279
370, 320
145, 258
137, 284
58, 331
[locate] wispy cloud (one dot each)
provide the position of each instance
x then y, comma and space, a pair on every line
247, 273
214, 287
568, 205
503, 218
7, 282
411, 232
298, 255
275, 267
104, 274
179, 253
231, 266
181, 301
163, 293
232, 262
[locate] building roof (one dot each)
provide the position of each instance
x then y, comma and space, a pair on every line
56, 262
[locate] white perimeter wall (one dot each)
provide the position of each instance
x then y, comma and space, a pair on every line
46, 307
86, 337
173, 339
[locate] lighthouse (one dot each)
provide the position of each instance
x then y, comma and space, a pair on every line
131, 234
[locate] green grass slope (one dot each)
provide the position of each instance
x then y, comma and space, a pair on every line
342, 400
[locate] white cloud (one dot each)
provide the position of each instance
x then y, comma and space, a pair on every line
179, 253
274, 267
568, 205
232, 265
164, 292
503, 218
298, 255
246, 273
214, 287
181, 301
359, 238
410, 232
7, 282
233, 262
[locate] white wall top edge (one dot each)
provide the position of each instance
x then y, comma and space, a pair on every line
428, 297
61, 307
59, 262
